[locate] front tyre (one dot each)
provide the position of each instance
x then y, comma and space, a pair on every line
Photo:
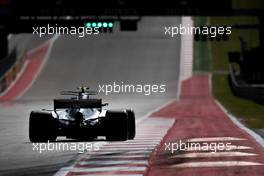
116, 126
42, 127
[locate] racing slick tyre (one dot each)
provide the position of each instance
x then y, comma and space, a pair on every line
42, 127
131, 122
116, 126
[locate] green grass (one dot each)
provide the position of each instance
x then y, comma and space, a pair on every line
247, 111
256, 4
213, 56
202, 60
220, 49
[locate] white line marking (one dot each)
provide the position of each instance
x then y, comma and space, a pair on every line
209, 139
63, 172
150, 136
114, 175
146, 116
112, 162
150, 142
150, 139
224, 148
146, 139
153, 130
211, 154
128, 149
149, 133
235, 120
129, 145
138, 149
110, 153
133, 143
216, 164
104, 169
118, 156
239, 147
254, 135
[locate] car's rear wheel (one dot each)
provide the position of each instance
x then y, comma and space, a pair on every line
42, 127
116, 124
131, 124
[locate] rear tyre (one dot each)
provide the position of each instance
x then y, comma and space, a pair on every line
42, 127
116, 126
131, 124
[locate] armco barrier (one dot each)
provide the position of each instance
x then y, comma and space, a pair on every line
249, 91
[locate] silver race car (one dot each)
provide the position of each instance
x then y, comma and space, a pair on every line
81, 118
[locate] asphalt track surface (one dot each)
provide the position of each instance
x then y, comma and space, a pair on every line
143, 57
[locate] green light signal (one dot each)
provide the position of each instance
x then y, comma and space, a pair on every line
94, 24
99, 24
110, 24
105, 24
88, 24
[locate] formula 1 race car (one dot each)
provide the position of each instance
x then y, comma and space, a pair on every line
81, 118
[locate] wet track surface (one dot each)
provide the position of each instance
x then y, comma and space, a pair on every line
143, 57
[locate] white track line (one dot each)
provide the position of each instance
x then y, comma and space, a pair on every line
215, 164
254, 135
113, 162
211, 154
211, 139
105, 169
114, 175
111, 153
123, 156
114, 156
136, 144
130, 146
132, 143
224, 148
129, 149
235, 120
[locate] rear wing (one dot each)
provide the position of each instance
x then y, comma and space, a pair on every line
71, 103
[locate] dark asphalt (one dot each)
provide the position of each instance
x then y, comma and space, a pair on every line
143, 57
